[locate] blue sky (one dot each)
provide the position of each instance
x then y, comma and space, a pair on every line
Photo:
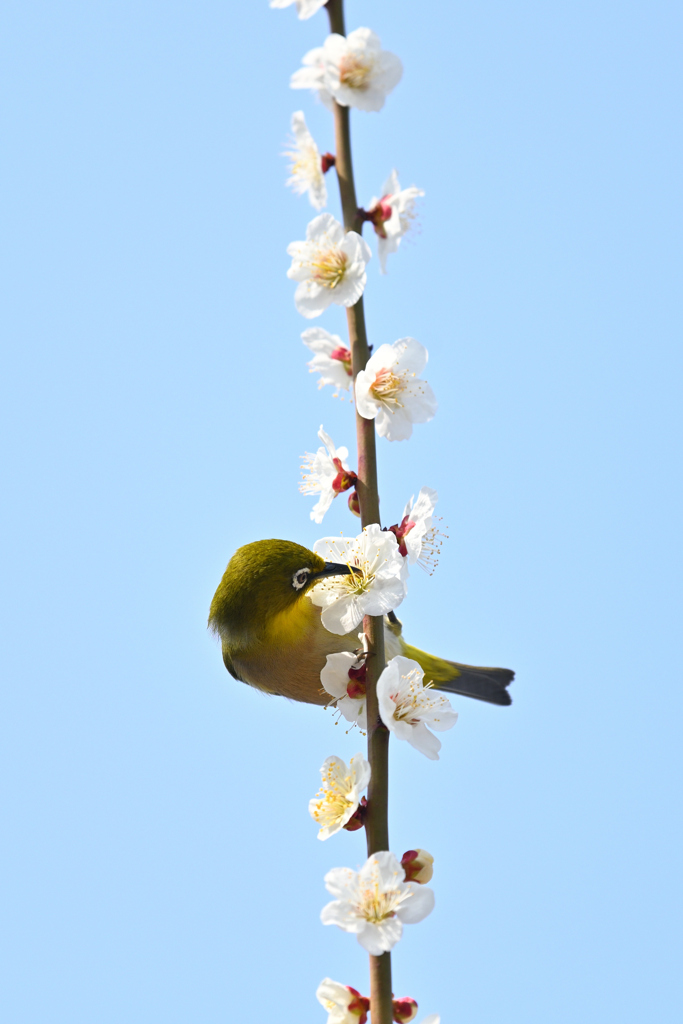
159, 865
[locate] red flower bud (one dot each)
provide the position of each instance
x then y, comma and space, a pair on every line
417, 865
354, 503
404, 1010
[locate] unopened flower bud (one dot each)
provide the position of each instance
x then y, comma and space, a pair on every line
404, 1010
357, 819
417, 865
354, 503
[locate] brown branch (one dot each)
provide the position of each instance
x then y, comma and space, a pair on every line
376, 821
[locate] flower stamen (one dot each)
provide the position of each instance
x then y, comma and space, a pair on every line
354, 72
329, 267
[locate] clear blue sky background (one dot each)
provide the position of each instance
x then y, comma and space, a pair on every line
158, 862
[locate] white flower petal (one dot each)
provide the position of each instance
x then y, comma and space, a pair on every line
404, 701
335, 675
389, 391
378, 939
420, 904
341, 882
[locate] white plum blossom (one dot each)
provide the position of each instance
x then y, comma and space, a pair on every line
392, 215
327, 474
339, 797
374, 587
389, 390
354, 70
344, 678
407, 706
312, 76
329, 266
375, 902
418, 538
306, 164
304, 8
344, 1004
331, 359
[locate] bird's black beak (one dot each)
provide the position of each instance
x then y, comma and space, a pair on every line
333, 569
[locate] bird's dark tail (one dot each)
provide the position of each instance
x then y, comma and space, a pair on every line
489, 684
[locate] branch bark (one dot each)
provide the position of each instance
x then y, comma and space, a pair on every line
377, 818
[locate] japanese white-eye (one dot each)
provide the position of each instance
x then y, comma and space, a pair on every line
272, 637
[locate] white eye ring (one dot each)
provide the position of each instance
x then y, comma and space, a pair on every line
299, 583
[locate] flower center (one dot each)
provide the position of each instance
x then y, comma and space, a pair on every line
305, 164
331, 806
329, 267
360, 579
412, 704
376, 906
388, 386
354, 71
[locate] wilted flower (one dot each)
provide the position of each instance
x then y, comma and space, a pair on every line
329, 266
331, 359
327, 474
306, 164
407, 706
418, 540
344, 1004
375, 902
339, 796
418, 866
354, 70
374, 587
344, 678
389, 389
304, 8
391, 216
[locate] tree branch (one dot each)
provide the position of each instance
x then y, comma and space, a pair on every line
376, 822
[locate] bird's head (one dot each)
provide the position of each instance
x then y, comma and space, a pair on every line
264, 579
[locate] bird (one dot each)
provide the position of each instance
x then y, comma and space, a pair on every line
273, 639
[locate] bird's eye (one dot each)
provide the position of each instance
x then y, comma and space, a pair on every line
300, 578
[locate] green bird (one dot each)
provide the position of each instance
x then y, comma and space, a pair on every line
272, 637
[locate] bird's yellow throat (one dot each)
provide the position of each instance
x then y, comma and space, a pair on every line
292, 624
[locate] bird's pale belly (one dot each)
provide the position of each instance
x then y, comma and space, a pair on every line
289, 659
289, 662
